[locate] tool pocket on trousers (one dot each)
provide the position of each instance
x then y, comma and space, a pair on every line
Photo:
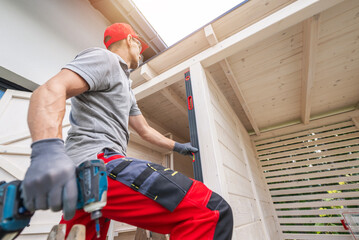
163, 185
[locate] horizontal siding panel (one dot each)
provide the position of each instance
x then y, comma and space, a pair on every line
312, 179
316, 212
314, 175
327, 153
310, 220
315, 182
309, 136
354, 194
303, 133
321, 160
234, 180
335, 203
232, 161
312, 149
244, 209
319, 142
322, 167
314, 229
316, 237
337, 187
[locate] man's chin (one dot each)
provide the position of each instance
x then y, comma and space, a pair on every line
134, 65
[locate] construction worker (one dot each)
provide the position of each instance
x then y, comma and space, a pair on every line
103, 105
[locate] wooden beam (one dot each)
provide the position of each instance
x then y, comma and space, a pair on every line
175, 99
147, 72
310, 42
234, 83
210, 35
312, 124
212, 39
274, 23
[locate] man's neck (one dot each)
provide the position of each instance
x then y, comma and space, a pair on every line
123, 54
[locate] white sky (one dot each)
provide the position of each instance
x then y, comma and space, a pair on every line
174, 20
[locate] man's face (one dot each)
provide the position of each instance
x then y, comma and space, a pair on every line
135, 50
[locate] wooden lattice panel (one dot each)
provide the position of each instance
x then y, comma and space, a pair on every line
313, 178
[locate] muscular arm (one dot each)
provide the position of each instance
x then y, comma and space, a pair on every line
140, 125
48, 104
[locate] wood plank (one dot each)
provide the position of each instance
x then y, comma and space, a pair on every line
311, 220
319, 122
306, 163
234, 83
288, 236
304, 132
310, 42
315, 212
314, 168
321, 154
306, 138
308, 135
312, 149
274, 23
175, 100
208, 139
313, 228
311, 176
351, 202
210, 35
315, 140
314, 189
313, 182
233, 180
77, 232
147, 72
57, 232
278, 21
354, 194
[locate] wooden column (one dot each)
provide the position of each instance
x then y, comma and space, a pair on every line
212, 162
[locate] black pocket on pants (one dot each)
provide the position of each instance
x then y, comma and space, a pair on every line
163, 185
170, 187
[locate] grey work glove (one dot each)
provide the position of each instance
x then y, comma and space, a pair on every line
184, 148
50, 181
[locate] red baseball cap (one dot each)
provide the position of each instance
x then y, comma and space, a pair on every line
119, 31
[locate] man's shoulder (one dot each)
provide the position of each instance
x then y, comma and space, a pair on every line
95, 51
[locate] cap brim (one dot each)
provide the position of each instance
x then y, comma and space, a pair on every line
144, 45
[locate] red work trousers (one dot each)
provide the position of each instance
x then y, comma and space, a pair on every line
202, 214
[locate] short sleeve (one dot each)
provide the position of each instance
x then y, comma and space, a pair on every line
135, 110
93, 65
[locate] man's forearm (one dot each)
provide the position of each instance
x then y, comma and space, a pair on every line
46, 112
154, 137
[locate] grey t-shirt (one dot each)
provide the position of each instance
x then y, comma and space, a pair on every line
99, 117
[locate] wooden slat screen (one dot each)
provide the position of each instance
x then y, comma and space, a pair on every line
313, 177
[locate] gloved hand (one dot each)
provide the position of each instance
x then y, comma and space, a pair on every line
50, 181
184, 148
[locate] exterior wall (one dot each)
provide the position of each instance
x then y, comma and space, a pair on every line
229, 162
39, 37
248, 194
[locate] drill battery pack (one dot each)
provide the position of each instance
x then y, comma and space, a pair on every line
13, 215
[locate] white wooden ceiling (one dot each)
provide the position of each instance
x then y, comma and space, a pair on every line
306, 70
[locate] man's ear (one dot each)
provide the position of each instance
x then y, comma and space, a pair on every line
128, 40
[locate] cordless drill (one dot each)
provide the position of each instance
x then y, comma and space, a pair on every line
92, 185
13, 215
92, 197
